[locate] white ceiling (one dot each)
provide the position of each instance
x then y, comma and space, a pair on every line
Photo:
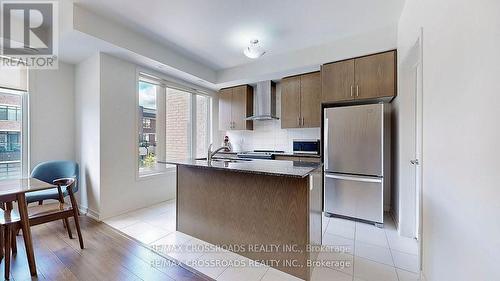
214, 32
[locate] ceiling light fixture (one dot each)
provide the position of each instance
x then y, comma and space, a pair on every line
254, 50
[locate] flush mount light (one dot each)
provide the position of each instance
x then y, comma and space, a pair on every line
254, 50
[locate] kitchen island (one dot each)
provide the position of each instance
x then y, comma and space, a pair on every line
265, 210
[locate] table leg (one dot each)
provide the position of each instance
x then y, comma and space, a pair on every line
8, 210
25, 226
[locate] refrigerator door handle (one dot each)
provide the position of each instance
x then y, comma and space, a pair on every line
351, 178
325, 151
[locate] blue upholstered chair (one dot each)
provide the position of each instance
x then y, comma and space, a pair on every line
48, 172
65, 175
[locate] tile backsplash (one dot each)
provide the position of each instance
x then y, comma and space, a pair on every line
268, 135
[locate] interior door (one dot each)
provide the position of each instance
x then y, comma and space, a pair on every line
239, 108
354, 141
310, 100
290, 102
225, 100
375, 76
411, 143
337, 81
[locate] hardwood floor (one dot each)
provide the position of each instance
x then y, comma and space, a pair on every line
107, 256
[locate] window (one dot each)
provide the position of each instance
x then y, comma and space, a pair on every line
174, 121
202, 125
10, 113
146, 123
178, 124
147, 111
11, 133
9, 141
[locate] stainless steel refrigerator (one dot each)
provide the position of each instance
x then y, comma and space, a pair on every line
357, 161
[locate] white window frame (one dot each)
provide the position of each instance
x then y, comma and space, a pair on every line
161, 120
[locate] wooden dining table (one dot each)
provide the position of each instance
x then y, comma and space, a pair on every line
15, 190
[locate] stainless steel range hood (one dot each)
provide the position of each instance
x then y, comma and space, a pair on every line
264, 101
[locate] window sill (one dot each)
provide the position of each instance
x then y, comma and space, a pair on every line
154, 174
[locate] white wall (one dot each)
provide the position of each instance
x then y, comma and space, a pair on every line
461, 233
87, 119
52, 114
120, 190
268, 134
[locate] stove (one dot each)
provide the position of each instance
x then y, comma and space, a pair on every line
259, 154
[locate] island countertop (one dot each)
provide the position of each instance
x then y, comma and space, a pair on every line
264, 167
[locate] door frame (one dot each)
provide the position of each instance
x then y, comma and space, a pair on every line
412, 65
418, 64
419, 146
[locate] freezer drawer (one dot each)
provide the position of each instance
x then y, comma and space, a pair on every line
358, 197
353, 139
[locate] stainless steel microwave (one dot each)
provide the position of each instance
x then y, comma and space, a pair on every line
306, 147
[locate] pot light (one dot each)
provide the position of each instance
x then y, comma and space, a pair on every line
254, 50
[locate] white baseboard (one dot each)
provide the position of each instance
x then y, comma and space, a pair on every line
394, 218
90, 213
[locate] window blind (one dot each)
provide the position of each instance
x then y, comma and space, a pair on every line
14, 78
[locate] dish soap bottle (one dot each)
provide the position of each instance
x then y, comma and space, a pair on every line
227, 143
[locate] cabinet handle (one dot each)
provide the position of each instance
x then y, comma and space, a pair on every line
351, 90
298, 121
302, 121
349, 178
357, 90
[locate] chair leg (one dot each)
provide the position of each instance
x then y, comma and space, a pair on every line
13, 241
61, 207
7, 240
74, 206
66, 223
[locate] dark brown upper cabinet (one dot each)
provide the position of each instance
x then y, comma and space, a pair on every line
301, 101
363, 78
235, 105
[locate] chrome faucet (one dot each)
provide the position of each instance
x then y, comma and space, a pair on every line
211, 153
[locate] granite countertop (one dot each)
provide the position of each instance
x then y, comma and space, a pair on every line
264, 167
277, 153
298, 154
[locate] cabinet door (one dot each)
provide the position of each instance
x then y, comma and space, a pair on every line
310, 100
310, 159
242, 107
225, 100
286, 158
337, 81
290, 102
375, 76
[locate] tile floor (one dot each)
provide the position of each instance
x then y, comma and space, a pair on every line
361, 252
